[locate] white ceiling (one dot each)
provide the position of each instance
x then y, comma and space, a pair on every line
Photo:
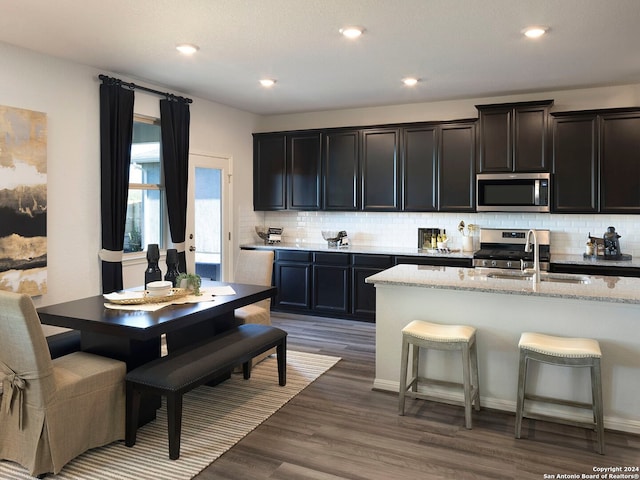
458, 48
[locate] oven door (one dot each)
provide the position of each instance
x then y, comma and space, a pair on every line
517, 192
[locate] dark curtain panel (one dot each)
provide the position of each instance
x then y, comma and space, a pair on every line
174, 125
116, 131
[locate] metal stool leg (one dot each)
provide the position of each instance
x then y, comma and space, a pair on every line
474, 373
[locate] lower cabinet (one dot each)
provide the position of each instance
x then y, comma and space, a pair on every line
363, 295
333, 283
292, 276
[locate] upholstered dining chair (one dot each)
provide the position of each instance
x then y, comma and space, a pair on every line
255, 267
52, 410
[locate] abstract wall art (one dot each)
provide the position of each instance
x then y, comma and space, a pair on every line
23, 201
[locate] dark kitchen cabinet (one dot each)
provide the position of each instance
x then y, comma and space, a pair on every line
287, 171
380, 169
514, 137
304, 171
456, 167
596, 161
269, 172
340, 160
620, 162
363, 295
292, 276
575, 163
420, 161
331, 280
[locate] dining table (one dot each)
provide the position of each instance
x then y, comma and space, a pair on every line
134, 336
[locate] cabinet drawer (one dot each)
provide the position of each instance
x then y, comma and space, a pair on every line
331, 258
379, 261
292, 256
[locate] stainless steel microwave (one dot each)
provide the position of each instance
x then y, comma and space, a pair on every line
513, 192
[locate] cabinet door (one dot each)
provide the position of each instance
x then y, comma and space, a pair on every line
456, 167
420, 160
340, 170
620, 163
303, 171
363, 295
331, 289
531, 134
496, 151
293, 283
380, 169
575, 164
269, 172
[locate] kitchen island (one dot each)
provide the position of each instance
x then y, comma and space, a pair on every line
604, 308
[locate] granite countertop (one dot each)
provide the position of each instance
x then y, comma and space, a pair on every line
323, 247
599, 288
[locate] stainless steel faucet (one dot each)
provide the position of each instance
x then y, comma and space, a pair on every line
536, 253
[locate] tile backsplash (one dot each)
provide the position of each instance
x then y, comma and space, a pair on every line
568, 232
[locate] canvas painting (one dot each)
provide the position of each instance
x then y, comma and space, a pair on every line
23, 201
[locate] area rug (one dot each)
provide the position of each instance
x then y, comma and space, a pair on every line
214, 420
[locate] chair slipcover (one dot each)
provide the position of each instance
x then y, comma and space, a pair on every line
52, 410
255, 267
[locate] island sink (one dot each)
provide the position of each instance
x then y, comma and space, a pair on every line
544, 277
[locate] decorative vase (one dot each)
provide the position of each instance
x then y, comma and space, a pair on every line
152, 273
467, 244
172, 266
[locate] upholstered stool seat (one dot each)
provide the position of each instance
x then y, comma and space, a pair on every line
567, 352
420, 334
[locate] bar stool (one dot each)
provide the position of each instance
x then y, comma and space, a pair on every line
566, 352
420, 334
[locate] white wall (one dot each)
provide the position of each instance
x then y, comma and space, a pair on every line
68, 94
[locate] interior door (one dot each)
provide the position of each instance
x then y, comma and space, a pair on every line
209, 217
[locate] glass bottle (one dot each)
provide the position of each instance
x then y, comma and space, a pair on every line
172, 266
152, 273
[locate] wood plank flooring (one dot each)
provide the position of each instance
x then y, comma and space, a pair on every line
339, 428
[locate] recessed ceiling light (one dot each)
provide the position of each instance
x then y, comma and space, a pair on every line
187, 48
352, 32
410, 81
267, 82
535, 32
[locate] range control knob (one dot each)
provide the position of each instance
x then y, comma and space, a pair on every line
509, 264
494, 263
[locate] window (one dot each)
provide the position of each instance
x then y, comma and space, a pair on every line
146, 218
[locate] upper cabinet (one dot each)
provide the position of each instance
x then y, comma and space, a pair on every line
457, 167
303, 171
596, 161
380, 169
575, 163
620, 162
286, 171
269, 172
340, 170
514, 137
420, 168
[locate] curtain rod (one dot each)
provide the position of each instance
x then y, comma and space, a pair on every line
133, 86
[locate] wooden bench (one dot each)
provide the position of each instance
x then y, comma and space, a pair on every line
179, 372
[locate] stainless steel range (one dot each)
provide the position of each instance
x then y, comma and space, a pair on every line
506, 249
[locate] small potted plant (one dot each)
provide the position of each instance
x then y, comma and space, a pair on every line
189, 281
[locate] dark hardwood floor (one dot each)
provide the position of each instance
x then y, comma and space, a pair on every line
339, 428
